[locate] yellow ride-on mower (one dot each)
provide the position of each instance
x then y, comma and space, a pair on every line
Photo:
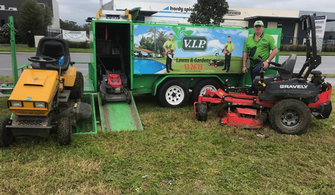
47, 97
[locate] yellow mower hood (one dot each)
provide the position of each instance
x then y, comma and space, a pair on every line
35, 86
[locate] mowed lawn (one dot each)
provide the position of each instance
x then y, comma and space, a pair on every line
174, 154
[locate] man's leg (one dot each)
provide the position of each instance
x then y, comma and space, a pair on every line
225, 61
167, 64
171, 62
228, 63
255, 71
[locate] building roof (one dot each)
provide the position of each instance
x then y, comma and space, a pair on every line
274, 18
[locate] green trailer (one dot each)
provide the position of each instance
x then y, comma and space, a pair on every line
120, 44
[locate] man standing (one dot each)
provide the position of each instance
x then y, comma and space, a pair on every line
228, 50
259, 44
170, 47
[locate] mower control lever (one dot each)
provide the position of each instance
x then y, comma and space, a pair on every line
42, 60
276, 64
261, 72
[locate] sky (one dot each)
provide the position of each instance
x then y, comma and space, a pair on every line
79, 10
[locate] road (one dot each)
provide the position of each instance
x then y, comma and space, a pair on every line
327, 66
22, 59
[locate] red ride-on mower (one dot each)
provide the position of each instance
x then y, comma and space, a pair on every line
287, 99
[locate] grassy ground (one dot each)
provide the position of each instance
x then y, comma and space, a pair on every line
175, 154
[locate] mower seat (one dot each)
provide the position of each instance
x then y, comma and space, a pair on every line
55, 48
286, 69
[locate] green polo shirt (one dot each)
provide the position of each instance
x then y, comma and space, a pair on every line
261, 47
229, 46
170, 45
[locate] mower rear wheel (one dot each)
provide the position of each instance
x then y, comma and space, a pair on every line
6, 136
64, 131
201, 112
78, 88
201, 87
290, 116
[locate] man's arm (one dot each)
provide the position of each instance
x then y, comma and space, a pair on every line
232, 48
231, 51
244, 68
165, 48
272, 55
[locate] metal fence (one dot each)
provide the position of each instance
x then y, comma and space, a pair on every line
53, 32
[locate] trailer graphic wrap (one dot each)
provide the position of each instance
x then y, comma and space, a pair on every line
193, 50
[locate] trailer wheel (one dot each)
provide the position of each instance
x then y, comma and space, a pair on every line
290, 116
173, 93
64, 131
78, 88
201, 86
201, 112
6, 136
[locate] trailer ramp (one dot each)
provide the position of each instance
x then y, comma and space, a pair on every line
118, 116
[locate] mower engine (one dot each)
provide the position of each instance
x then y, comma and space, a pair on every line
114, 84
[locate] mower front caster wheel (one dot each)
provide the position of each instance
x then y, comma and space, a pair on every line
64, 131
201, 112
6, 136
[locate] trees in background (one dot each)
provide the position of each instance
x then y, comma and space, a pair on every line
34, 17
209, 12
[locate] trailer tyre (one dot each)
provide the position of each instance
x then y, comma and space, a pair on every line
201, 86
201, 112
64, 131
173, 93
78, 88
290, 116
6, 135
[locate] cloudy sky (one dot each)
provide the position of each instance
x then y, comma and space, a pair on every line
79, 10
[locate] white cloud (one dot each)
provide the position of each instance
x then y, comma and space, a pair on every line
215, 44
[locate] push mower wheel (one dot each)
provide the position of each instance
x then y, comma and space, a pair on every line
103, 98
78, 88
201, 86
64, 131
128, 95
290, 116
201, 112
6, 136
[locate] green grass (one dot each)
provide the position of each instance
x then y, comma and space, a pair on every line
174, 154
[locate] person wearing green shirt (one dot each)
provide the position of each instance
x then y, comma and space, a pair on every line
259, 44
170, 47
228, 50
